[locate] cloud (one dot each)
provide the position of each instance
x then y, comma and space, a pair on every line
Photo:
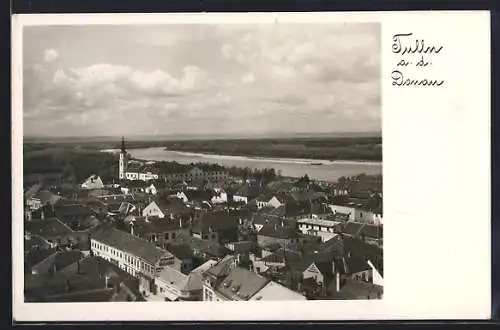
227, 51
50, 55
248, 78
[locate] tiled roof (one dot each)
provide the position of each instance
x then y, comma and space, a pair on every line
135, 184
31, 191
219, 221
173, 206
209, 247
278, 231
66, 258
353, 290
72, 210
46, 196
180, 251
281, 256
173, 277
34, 242
131, 244
47, 227
275, 291
36, 256
264, 219
249, 191
155, 225
241, 284
223, 267
352, 228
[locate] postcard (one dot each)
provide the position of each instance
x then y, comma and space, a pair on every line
251, 166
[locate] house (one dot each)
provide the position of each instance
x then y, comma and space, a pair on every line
157, 230
152, 189
50, 261
259, 220
280, 186
226, 282
202, 249
75, 215
92, 182
282, 235
219, 196
114, 201
42, 198
32, 190
56, 233
266, 200
354, 290
219, 226
241, 250
275, 291
326, 229
246, 193
195, 197
277, 259
166, 208
133, 186
138, 257
90, 279
184, 253
140, 171
358, 212
176, 286
366, 232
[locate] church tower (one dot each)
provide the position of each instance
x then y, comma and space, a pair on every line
123, 161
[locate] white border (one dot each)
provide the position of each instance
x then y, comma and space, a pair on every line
437, 254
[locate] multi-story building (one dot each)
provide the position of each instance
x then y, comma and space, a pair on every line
138, 257
326, 229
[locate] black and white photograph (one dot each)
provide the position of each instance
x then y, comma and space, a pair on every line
202, 162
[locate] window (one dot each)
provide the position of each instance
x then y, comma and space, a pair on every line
214, 236
173, 235
167, 236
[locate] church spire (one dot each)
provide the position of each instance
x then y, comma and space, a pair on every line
123, 144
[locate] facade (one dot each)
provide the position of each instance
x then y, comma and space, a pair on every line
357, 214
93, 182
326, 229
194, 174
226, 282
138, 257
122, 163
264, 201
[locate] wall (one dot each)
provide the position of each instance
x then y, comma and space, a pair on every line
377, 279
153, 210
240, 199
266, 240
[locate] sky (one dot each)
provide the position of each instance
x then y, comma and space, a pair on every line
201, 79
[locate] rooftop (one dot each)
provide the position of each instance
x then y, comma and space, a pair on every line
131, 244
241, 284
47, 228
319, 222
275, 291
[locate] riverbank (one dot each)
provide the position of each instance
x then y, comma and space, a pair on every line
287, 167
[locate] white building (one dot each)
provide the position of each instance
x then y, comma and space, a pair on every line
92, 182
138, 257
326, 229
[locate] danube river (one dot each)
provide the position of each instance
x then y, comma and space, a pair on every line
316, 169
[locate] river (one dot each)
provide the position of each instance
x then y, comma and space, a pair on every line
324, 170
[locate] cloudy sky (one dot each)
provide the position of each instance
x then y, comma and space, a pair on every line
201, 79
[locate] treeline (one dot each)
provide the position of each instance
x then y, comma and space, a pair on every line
74, 165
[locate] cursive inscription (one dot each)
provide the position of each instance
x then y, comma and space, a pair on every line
403, 44
414, 57
398, 79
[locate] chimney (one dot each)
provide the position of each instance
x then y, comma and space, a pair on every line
180, 222
337, 281
42, 216
106, 282
131, 228
78, 266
